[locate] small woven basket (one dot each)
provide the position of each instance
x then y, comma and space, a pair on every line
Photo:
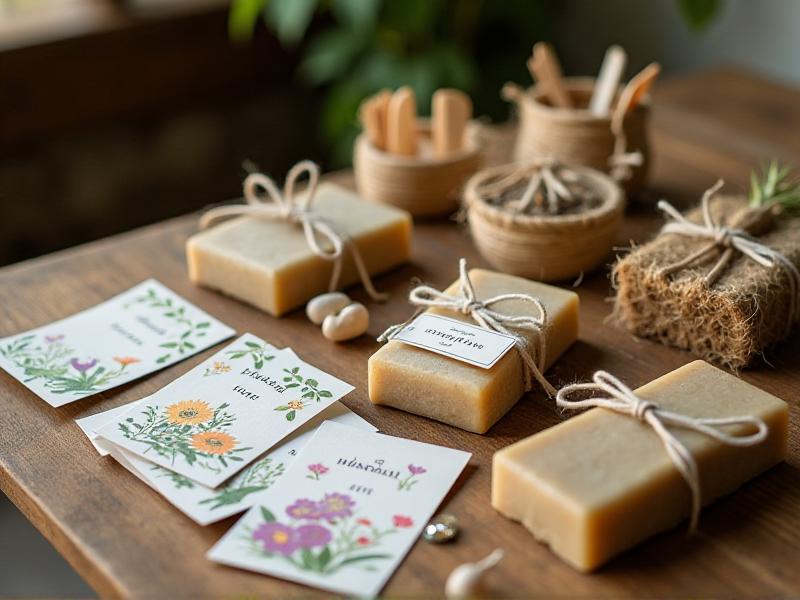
423, 185
576, 136
545, 247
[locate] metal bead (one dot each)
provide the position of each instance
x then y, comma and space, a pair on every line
442, 528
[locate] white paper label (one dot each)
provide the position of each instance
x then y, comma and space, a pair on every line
456, 339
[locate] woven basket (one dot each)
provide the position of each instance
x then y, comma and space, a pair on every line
423, 185
545, 247
575, 136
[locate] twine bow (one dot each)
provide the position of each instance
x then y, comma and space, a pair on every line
730, 240
542, 176
466, 303
622, 400
266, 201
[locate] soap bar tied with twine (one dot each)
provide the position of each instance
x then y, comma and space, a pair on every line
489, 318
620, 398
264, 200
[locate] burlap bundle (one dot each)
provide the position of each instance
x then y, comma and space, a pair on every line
728, 322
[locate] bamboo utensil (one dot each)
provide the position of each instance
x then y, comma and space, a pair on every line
372, 114
634, 92
545, 69
608, 81
401, 118
452, 110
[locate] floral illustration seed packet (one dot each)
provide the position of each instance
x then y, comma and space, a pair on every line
345, 513
218, 363
210, 427
135, 333
206, 505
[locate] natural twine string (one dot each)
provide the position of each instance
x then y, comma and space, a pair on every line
729, 240
621, 160
277, 205
622, 400
465, 302
542, 176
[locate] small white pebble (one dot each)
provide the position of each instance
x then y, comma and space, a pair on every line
466, 581
351, 322
323, 305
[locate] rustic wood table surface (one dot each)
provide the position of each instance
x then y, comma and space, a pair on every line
125, 540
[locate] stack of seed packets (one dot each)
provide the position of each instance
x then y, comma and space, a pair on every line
214, 438
346, 511
135, 333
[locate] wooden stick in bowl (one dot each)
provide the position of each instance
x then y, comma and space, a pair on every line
545, 69
605, 88
401, 123
634, 91
451, 111
371, 122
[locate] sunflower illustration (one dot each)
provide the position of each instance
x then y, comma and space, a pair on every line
189, 412
214, 442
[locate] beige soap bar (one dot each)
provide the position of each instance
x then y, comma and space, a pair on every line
454, 392
602, 482
270, 265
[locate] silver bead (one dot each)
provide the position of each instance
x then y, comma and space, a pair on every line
442, 528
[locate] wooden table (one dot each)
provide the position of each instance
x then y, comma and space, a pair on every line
125, 540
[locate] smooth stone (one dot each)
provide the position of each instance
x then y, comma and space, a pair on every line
323, 305
441, 529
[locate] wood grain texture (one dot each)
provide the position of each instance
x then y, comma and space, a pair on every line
125, 540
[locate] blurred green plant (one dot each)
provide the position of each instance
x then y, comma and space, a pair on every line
357, 47
353, 48
699, 14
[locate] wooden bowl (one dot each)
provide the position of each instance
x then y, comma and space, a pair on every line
423, 185
545, 247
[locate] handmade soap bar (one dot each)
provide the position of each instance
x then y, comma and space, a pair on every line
600, 483
454, 392
269, 264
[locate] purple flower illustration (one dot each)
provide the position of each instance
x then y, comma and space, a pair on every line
312, 536
52, 339
324, 548
303, 509
275, 537
335, 505
82, 366
409, 481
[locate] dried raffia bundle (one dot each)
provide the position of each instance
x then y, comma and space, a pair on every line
543, 220
723, 280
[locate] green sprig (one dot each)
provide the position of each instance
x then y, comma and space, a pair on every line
777, 186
